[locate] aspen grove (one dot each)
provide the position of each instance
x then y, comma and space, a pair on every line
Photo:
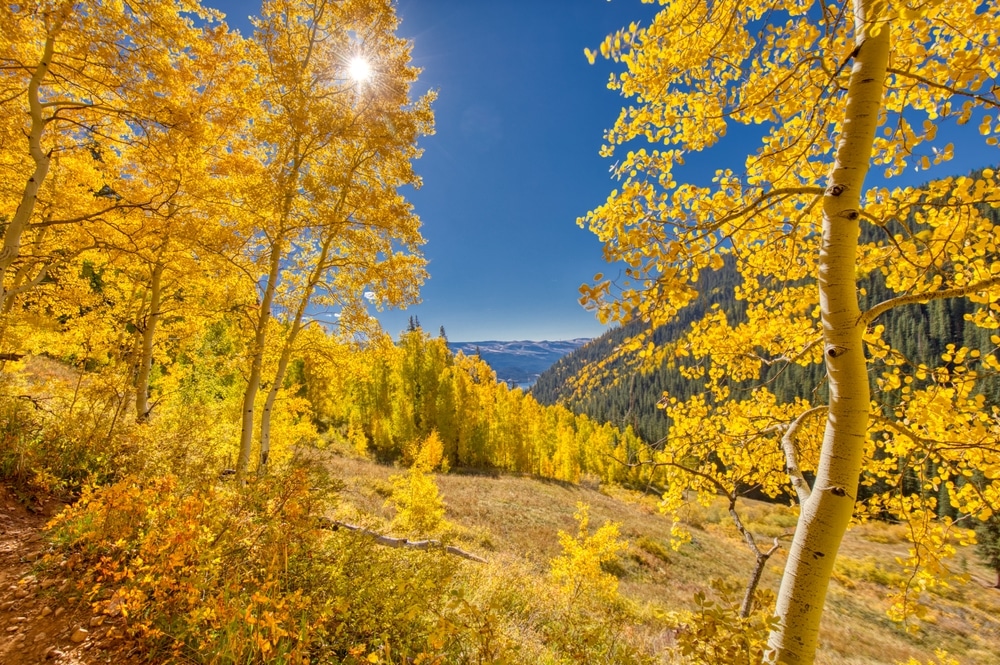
200, 227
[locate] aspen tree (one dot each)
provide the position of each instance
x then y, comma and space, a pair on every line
831, 91
83, 85
322, 205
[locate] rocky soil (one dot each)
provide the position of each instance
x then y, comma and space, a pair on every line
43, 618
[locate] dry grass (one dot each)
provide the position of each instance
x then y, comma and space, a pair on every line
520, 516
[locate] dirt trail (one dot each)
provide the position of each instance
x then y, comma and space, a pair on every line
42, 619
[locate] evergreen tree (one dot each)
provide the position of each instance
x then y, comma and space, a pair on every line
988, 543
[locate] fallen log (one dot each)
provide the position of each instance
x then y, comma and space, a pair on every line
389, 541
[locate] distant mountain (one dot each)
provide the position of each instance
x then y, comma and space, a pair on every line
519, 362
627, 396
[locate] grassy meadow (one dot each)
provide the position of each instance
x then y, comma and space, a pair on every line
515, 520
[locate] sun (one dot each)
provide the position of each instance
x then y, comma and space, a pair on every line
359, 69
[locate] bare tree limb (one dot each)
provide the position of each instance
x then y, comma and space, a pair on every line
388, 541
760, 557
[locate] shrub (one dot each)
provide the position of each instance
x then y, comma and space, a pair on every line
419, 506
579, 570
57, 434
219, 573
714, 632
654, 548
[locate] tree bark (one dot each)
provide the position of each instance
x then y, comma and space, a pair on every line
322, 264
257, 361
148, 335
11, 248
825, 516
272, 393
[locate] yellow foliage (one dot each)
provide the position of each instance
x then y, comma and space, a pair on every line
419, 506
822, 95
220, 573
407, 399
578, 570
714, 632
430, 456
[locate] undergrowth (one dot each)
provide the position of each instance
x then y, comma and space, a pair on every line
219, 573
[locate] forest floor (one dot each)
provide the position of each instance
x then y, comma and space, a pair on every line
41, 620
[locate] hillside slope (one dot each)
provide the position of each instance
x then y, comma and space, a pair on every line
627, 395
514, 522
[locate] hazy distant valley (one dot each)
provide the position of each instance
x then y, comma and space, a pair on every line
520, 362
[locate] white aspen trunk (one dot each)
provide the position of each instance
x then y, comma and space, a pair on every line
827, 512
272, 393
289, 344
17, 282
11, 248
148, 335
257, 361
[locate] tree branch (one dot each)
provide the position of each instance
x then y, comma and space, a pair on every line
758, 572
869, 317
783, 192
88, 216
940, 86
785, 357
799, 482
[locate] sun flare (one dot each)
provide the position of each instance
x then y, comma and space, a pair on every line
359, 69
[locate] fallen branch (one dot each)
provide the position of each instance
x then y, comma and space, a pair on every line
388, 541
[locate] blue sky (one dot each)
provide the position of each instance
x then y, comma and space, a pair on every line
520, 118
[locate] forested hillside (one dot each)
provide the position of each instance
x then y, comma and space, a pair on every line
388, 398
627, 393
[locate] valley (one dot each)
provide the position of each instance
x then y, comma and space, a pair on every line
518, 363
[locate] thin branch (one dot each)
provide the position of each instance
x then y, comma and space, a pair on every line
947, 88
88, 216
752, 206
783, 192
785, 357
933, 446
760, 557
758, 572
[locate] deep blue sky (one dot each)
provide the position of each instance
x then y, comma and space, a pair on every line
520, 118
